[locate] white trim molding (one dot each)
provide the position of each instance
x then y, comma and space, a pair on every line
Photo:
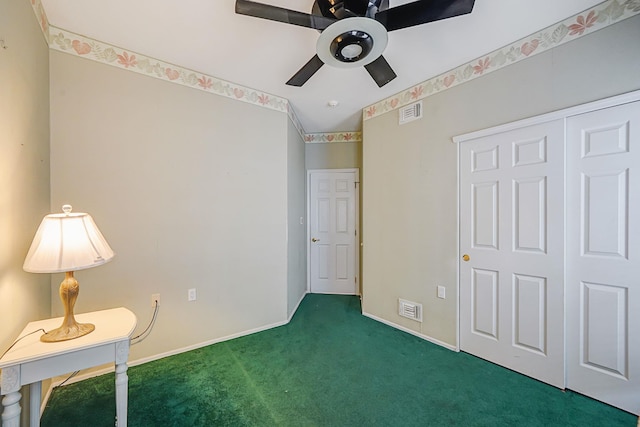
412, 332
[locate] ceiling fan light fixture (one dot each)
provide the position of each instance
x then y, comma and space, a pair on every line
340, 43
374, 18
350, 52
351, 46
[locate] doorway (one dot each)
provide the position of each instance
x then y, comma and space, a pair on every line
333, 235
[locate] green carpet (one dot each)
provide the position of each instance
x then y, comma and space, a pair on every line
330, 366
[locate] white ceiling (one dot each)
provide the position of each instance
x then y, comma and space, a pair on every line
207, 36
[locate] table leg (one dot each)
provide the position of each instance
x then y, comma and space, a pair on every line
35, 392
11, 413
122, 385
122, 382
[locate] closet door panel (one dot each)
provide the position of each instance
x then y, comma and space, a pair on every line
511, 229
603, 255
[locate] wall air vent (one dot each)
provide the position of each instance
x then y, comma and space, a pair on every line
410, 310
410, 112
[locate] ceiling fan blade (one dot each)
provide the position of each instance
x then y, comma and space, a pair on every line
341, 8
324, 7
421, 12
305, 73
381, 71
357, 7
275, 13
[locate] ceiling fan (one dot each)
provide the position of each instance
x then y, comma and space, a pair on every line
354, 32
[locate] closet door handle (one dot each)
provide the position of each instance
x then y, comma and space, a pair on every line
315, 240
465, 257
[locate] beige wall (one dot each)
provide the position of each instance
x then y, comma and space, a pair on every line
339, 155
296, 228
24, 170
191, 191
410, 171
24, 165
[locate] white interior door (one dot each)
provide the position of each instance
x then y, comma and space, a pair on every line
603, 255
333, 232
511, 230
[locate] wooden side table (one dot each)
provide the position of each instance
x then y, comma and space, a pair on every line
30, 361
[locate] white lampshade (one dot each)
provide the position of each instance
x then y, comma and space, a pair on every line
67, 242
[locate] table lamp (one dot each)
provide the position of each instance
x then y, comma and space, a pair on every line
67, 242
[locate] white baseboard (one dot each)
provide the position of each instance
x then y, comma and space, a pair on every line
204, 344
95, 373
412, 332
293, 312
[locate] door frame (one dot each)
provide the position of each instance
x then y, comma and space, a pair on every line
358, 242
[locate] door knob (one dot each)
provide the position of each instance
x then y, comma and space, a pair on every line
465, 257
315, 240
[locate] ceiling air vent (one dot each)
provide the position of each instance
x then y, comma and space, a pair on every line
410, 310
410, 112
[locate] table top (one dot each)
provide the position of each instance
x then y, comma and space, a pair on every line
111, 326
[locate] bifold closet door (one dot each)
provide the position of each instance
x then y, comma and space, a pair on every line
603, 255
512, 248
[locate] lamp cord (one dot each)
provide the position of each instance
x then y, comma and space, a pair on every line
68, 378
149, 326
31, 333
153, 320
19, 339
142, 334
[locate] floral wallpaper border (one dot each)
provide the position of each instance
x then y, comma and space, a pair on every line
324, 138
75, 44
41, 16
600, 16
604, 14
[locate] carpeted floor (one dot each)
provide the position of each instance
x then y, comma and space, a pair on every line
330, 366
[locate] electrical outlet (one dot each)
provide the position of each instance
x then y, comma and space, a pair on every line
191, 294
155, 298
441, 292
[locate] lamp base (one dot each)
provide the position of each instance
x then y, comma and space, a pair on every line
68, 332
69, 329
